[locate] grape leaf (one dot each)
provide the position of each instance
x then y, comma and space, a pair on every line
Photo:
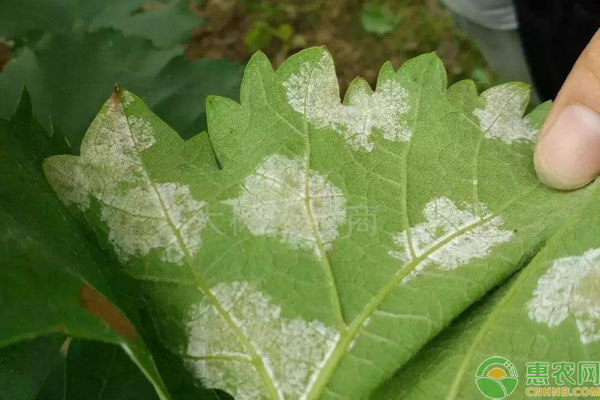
378, 20
181, 383
328, 241
100, 371
53, 279
87, 65
88, 369
25, 366
165, 23
548, 313
22, 18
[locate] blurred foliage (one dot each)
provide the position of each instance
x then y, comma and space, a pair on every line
166, 23
378, 19
360, 35
261, 35
70, 75
99, 368
71, 64
25, 366
482, 78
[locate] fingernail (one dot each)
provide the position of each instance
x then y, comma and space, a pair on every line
567, 155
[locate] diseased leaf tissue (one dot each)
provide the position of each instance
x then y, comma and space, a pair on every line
331, 240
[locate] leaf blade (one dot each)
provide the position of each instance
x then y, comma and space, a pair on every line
48, 259
277, 235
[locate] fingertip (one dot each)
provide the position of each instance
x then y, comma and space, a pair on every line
554, 178
567, 154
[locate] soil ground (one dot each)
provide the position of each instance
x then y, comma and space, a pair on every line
237, 28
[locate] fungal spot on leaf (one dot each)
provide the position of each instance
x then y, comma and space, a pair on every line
314, 91
451, 236
502, 116
96, 303
274, 202
141, 215
570, 288
127, 98
292, 350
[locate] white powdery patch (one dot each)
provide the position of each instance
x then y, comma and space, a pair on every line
570, 287
451, 236
141, 131
314, 91
273, 202
141, 216
292, 350
235, 377
126, 98
502, 117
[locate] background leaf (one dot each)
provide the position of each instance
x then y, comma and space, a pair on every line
100, 371
25, 366
85, 66
89, 46
378, 20
54, 279
165, 23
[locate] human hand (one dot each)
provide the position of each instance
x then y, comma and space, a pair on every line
567, 152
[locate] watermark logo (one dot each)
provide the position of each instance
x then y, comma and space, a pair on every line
497, 378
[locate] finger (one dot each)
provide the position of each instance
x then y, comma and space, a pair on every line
567, 152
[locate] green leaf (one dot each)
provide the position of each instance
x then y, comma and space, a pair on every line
377, 19
85, 67
181, 383
259, 36
164, 23
328, 242
25, 366
53, 279
19, 18
547, 313
178, 93
100, 371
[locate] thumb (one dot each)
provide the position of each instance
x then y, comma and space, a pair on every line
567, 152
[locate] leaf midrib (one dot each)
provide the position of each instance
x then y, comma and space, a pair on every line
257, 360
332, 289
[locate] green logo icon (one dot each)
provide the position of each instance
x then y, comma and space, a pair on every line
496, 378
